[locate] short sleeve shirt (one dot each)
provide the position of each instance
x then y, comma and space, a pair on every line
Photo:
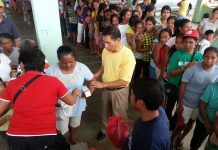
197, 80
71, 81
147, 43
6, 26
150, 135
83, 15
208, 25
210, 96
123, 29
14, 56
118, 65
34, 109
178, 60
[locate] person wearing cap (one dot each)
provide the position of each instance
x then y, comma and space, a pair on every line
6, 26
179, 62
191, 89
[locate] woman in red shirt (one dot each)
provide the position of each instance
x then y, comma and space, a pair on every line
33, 124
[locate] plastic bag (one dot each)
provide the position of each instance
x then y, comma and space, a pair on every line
117, 131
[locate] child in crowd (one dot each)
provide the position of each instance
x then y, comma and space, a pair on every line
139, 30
159, 52
148, 12
89, 23
165, 13
115, 20
72, 21
170, 23
149, 36
206, 41
183, 8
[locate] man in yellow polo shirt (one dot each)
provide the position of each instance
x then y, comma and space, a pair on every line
118, 63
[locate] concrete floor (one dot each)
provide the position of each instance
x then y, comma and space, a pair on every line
91, 118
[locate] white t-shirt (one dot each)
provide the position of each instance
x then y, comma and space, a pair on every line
208, 25
13, 56
204, 44
123, 29
5, 68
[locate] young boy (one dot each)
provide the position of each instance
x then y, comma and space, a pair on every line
206, 41
151, 129
183, 8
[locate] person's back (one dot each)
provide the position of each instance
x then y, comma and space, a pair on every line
151, 130
35, 104
33, 123
183, 7
151, 135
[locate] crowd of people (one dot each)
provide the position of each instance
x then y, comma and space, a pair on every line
166, 68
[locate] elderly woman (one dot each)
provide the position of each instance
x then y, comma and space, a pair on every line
72, 74
33, 124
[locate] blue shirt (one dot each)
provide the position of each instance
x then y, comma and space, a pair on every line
210, 96
150, 135
6, 26
197, 80
72, 81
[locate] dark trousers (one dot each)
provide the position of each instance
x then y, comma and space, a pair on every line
31, 143
172, 96
200, 133
146, 67
138, 68
63, 26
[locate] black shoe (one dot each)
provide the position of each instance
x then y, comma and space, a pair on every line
100, 136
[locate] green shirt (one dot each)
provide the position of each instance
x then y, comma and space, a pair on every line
178, 60
210, 96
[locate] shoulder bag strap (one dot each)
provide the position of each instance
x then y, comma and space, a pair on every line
193, 54
24, 87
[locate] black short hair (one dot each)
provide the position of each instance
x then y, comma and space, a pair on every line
133, 20
147, 9
114, 7
171, 17
113, 31
182, 22
211, 48
208, 32
33, 59
150, 91
65, 50
166, 30
152, 19
112, 16
139, 22
123, 13
6, 36
166, 7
